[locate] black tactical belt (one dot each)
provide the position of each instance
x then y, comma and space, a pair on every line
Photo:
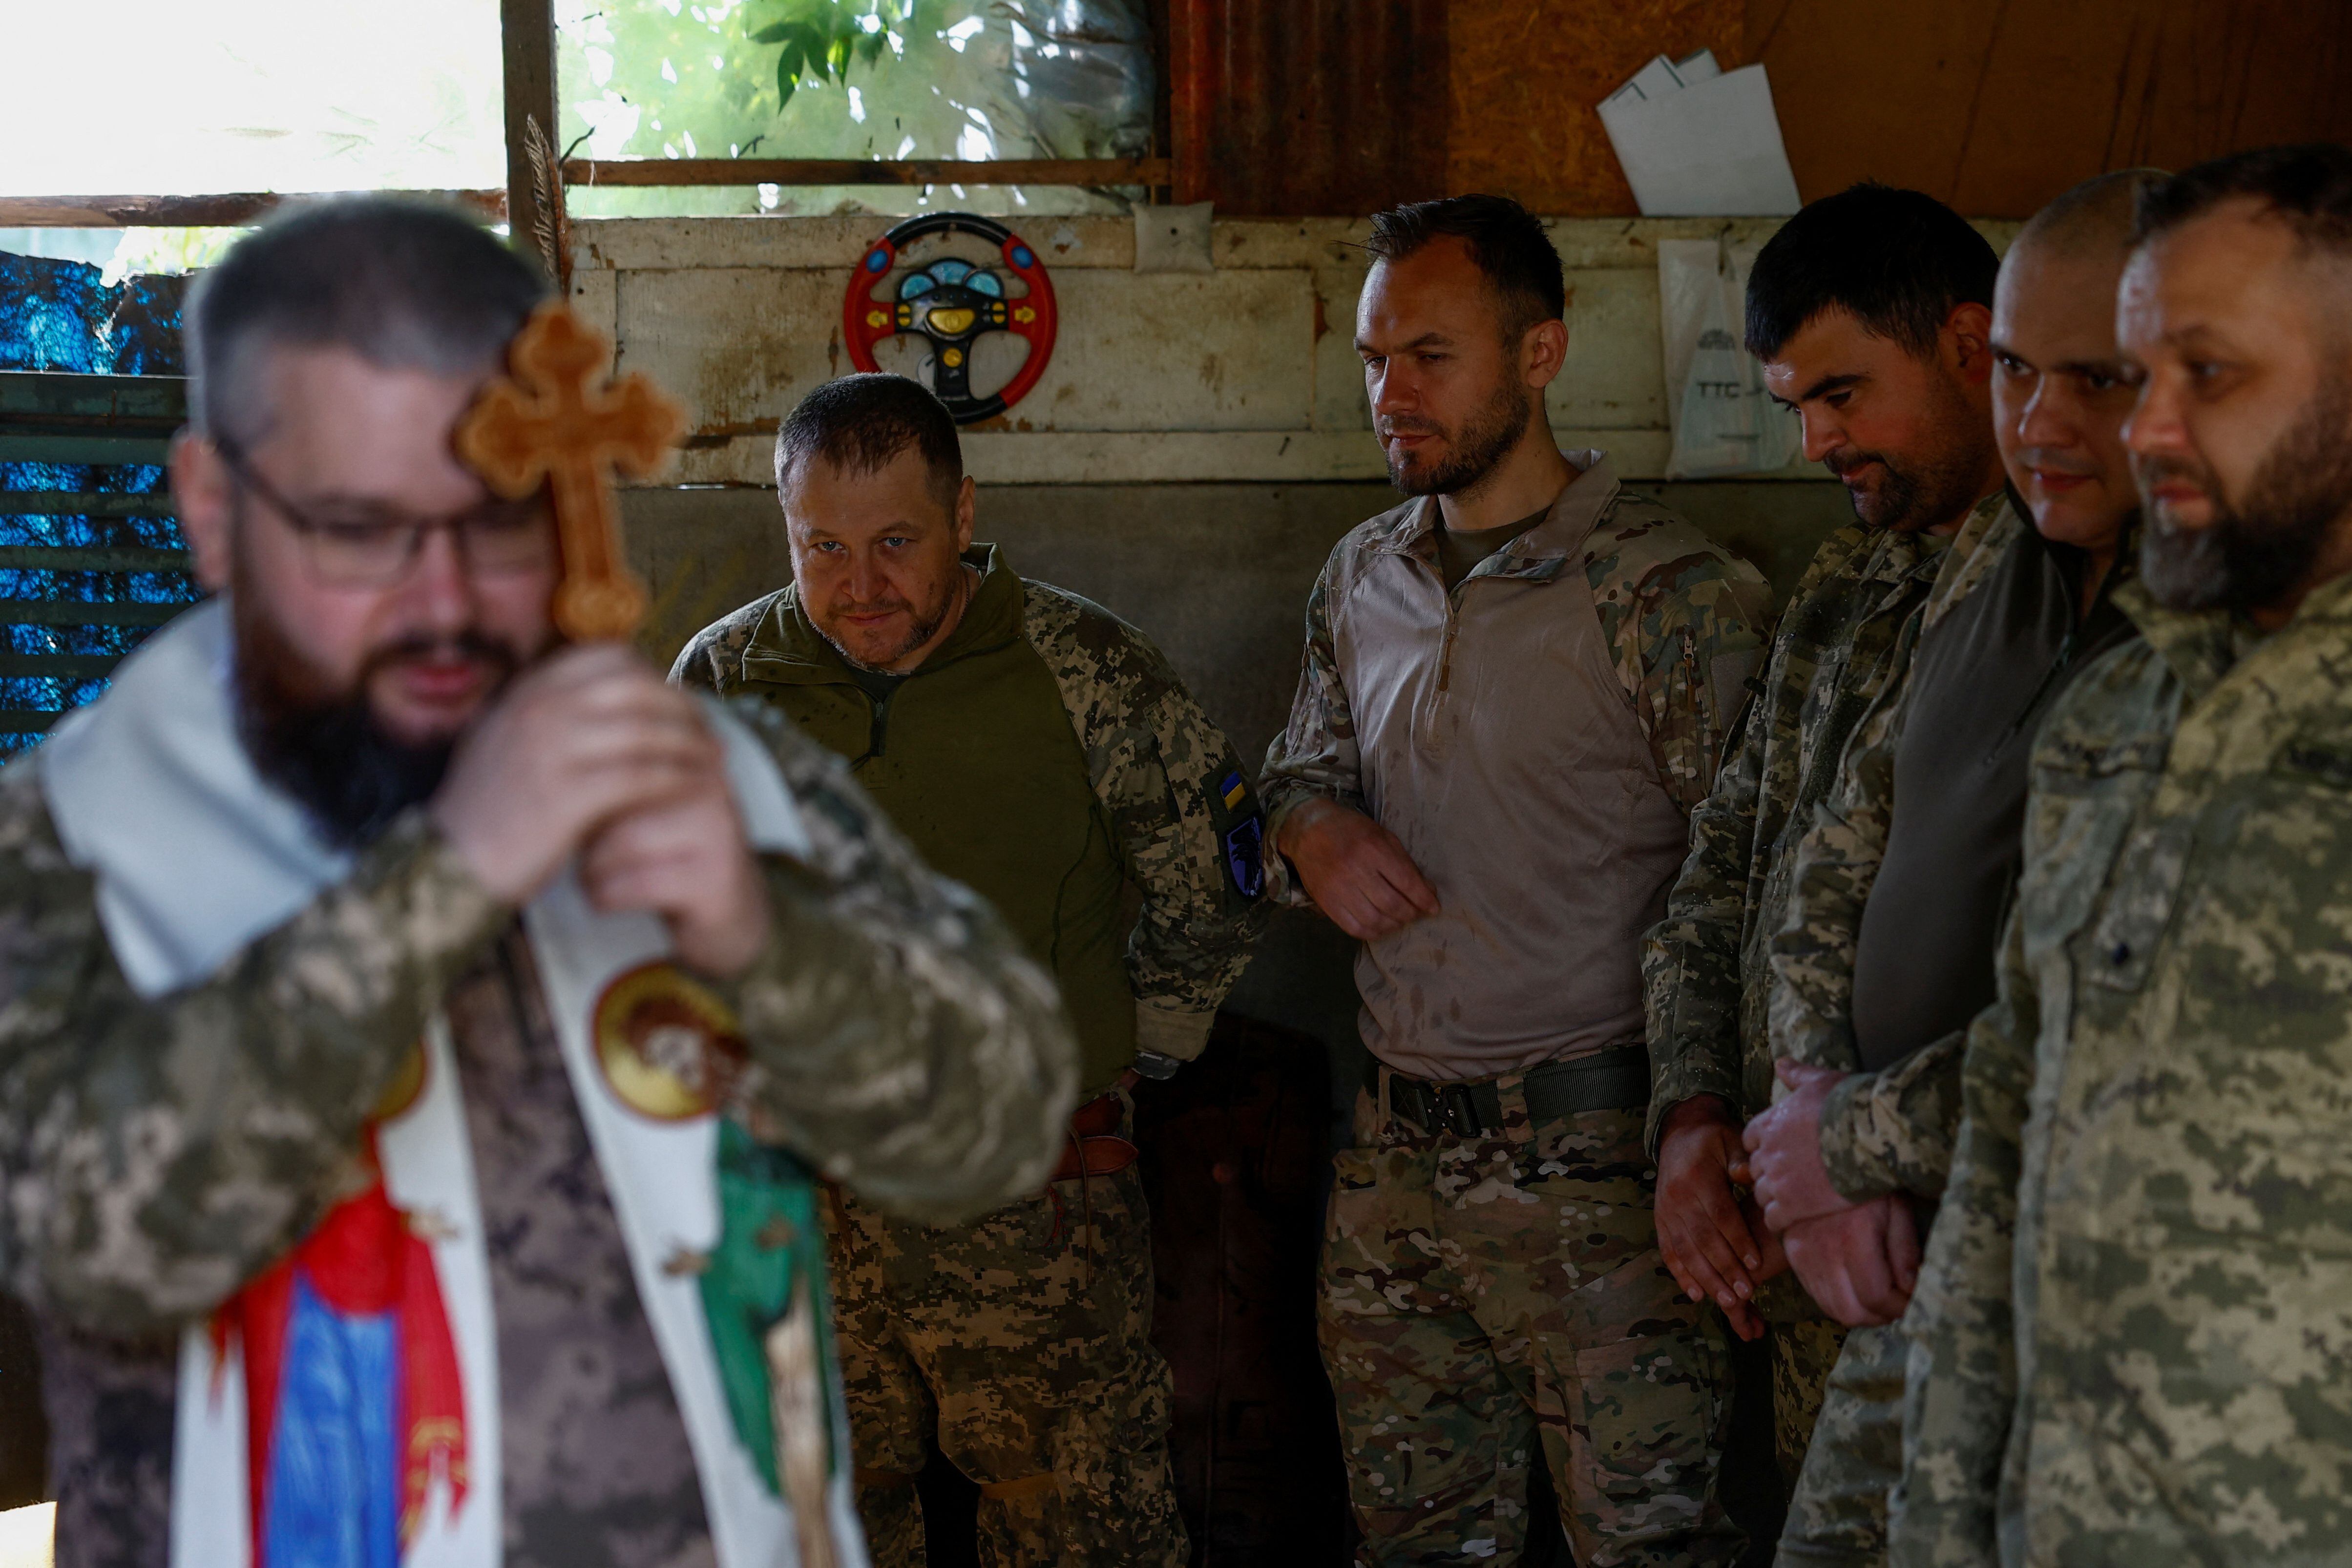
1614, 1080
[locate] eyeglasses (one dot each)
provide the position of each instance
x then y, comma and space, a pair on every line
361, 546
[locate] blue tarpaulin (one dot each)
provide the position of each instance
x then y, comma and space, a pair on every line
59, 316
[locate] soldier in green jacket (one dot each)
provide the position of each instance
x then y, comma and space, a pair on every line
2133, 1333
1036, 747
1870, 310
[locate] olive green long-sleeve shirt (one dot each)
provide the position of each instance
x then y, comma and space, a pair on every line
2133, 1332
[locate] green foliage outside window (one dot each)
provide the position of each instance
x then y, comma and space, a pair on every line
842, 79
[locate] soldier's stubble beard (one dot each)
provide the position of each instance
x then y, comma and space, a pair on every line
1484, 440
2258, 548
1922, 490
322, 744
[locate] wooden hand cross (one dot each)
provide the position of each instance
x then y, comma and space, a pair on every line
552, 421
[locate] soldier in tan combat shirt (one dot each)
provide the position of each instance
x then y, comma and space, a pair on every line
1516, 687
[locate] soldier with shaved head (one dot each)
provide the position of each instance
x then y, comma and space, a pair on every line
1887, 951
2132, 1338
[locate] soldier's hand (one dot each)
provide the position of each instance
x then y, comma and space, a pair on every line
1784, 1149
1355, 870
1861, 1264
588, 735
686, 861
1703, 1232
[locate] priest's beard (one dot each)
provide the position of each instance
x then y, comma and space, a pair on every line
2257, 550
1484, 440
325, 747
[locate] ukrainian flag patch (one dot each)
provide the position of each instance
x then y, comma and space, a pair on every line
1234, 789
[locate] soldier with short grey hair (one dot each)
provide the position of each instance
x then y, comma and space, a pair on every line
2132, 1338
1042, 751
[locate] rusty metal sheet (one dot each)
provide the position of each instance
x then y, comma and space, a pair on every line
1326, 108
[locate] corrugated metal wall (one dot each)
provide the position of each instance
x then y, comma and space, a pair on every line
1308, 107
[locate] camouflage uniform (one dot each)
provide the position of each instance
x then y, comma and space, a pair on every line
1490, 1296
167, 1150
1845, 637
1021, 1340
1888, 1131
1024, 1341
2130, 1337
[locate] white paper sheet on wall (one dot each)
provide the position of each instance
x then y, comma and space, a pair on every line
1696, 140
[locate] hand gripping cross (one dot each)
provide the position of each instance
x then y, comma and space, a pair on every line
554, 420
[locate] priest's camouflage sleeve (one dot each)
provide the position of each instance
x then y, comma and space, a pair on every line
1685, 629
1961, 1389
1316, 757
1189, 833
900, 1040
158, 1153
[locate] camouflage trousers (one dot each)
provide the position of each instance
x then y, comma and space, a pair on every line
1838, 1517
1804, 1351
1488, 1299
1021, 1344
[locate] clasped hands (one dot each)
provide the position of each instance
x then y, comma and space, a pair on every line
590, 753
1860, 1260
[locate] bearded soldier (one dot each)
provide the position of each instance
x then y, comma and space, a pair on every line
414, 1028
1871, 312
1900, 887
2130, 1336
1515, 687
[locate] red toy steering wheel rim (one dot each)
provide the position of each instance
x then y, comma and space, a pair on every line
866, 321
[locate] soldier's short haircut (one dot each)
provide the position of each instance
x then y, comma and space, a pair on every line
1507, 241
2094, 217
860, 423
404, 284
2307, 186
1899, 261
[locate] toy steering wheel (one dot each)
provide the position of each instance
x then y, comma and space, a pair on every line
949, 303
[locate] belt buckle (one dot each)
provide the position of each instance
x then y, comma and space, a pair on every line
1458, 1110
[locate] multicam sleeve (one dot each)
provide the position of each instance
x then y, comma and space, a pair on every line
158, 1153
1186, 819
1687, 635
1961, 1389
900, 1039
1316, 757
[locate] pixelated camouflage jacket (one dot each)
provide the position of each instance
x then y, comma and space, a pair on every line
1891, 1129
1181, 808
1845, 636
158, 1153
1683, 621
2133, 1331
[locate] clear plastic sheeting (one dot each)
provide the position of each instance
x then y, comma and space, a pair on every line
1082, 76
966, 79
